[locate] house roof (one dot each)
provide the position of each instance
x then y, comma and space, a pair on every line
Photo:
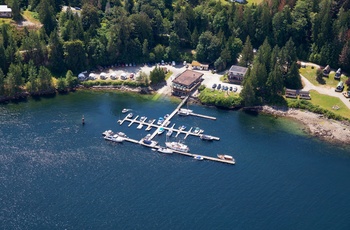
195, 63
239, 69
187, 78
4, 8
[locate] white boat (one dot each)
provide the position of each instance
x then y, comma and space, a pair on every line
206, 137
170, 131
160, 130
184, 112
197, 130
121, 134
165, 150
151, 121
130, 115
197, 157
140, 126
143, 118
182, 127
226, 157
177, 146
166, 116
160, 121
148, 128
149, 142
114, 138
125, 110
107, 133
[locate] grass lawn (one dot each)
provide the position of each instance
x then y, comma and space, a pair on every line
328, 102
31, 16
310, 74
168, 75
250, 2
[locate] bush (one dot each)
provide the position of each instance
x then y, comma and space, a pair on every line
201, 88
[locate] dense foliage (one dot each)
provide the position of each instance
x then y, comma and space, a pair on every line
105, 32
220, 98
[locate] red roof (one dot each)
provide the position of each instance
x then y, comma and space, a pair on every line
187, 78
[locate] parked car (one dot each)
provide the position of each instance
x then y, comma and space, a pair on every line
214, 86
340, 87
234, 89
230, 88
219, 86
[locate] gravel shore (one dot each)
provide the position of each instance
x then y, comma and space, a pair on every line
315, 124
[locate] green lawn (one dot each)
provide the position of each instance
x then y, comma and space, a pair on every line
329, 103
168, 75
5, 21
250, 2
310, 74
31, 16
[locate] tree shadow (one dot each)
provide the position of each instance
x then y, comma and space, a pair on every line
321, 80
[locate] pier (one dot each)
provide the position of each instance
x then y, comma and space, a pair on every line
164, 125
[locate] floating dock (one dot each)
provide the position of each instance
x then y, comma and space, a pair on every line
164, 125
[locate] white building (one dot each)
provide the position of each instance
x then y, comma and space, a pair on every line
5, 12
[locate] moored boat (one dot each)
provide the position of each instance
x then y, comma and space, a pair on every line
114, 138
143, 118
198, 157
160, 121
206, 137
130, 115
125, 110
149, 142
166, 116
226, 157
177, 146
182, 127
170, 131
121, 134
160, 130
197, 130
107, 133
140, 126
165, 150
184, 112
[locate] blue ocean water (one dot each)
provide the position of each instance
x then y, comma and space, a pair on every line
56, 173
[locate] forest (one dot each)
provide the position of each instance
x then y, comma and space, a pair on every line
105, 32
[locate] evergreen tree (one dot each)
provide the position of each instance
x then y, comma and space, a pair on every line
75, 56
274, 84
16, 11
47, 15
247, 54
248, 93
56, 53
2, 83
45, 80
71, 80
157, 75
61, 84
293, 80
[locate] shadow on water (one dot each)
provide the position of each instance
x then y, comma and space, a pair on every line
253, 113
46, 96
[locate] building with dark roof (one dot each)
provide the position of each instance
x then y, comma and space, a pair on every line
186, 82
5, 11
236, 74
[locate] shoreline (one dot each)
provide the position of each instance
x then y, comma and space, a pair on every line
316, 125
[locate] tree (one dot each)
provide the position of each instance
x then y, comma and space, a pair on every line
61, 84
16, 11
45, 80
208, 48
248, 93
56, 53
157, 75
274, 84
75, 56
47, 15
247, 54
293, 80
71, 79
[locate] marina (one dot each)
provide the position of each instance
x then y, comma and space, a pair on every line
162, 126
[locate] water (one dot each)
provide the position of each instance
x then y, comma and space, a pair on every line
57, 174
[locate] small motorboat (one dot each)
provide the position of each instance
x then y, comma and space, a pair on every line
166, 116
165, 150
107, 133
125, 110
197, 130
130, 115
226, 157
121, 134
169, 133
143, 119
114, 138
160, 121
160, 130
206, 137
197, 157
182, 127
140, 126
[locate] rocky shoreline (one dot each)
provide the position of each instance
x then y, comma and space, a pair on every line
315, 124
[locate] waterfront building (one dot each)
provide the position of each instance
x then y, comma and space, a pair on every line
186, 82
236, 74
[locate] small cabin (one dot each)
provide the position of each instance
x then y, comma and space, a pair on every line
326, 70
92, 76
5, 12
291, 93
337, 74
81, 77
113, 76
305, 95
